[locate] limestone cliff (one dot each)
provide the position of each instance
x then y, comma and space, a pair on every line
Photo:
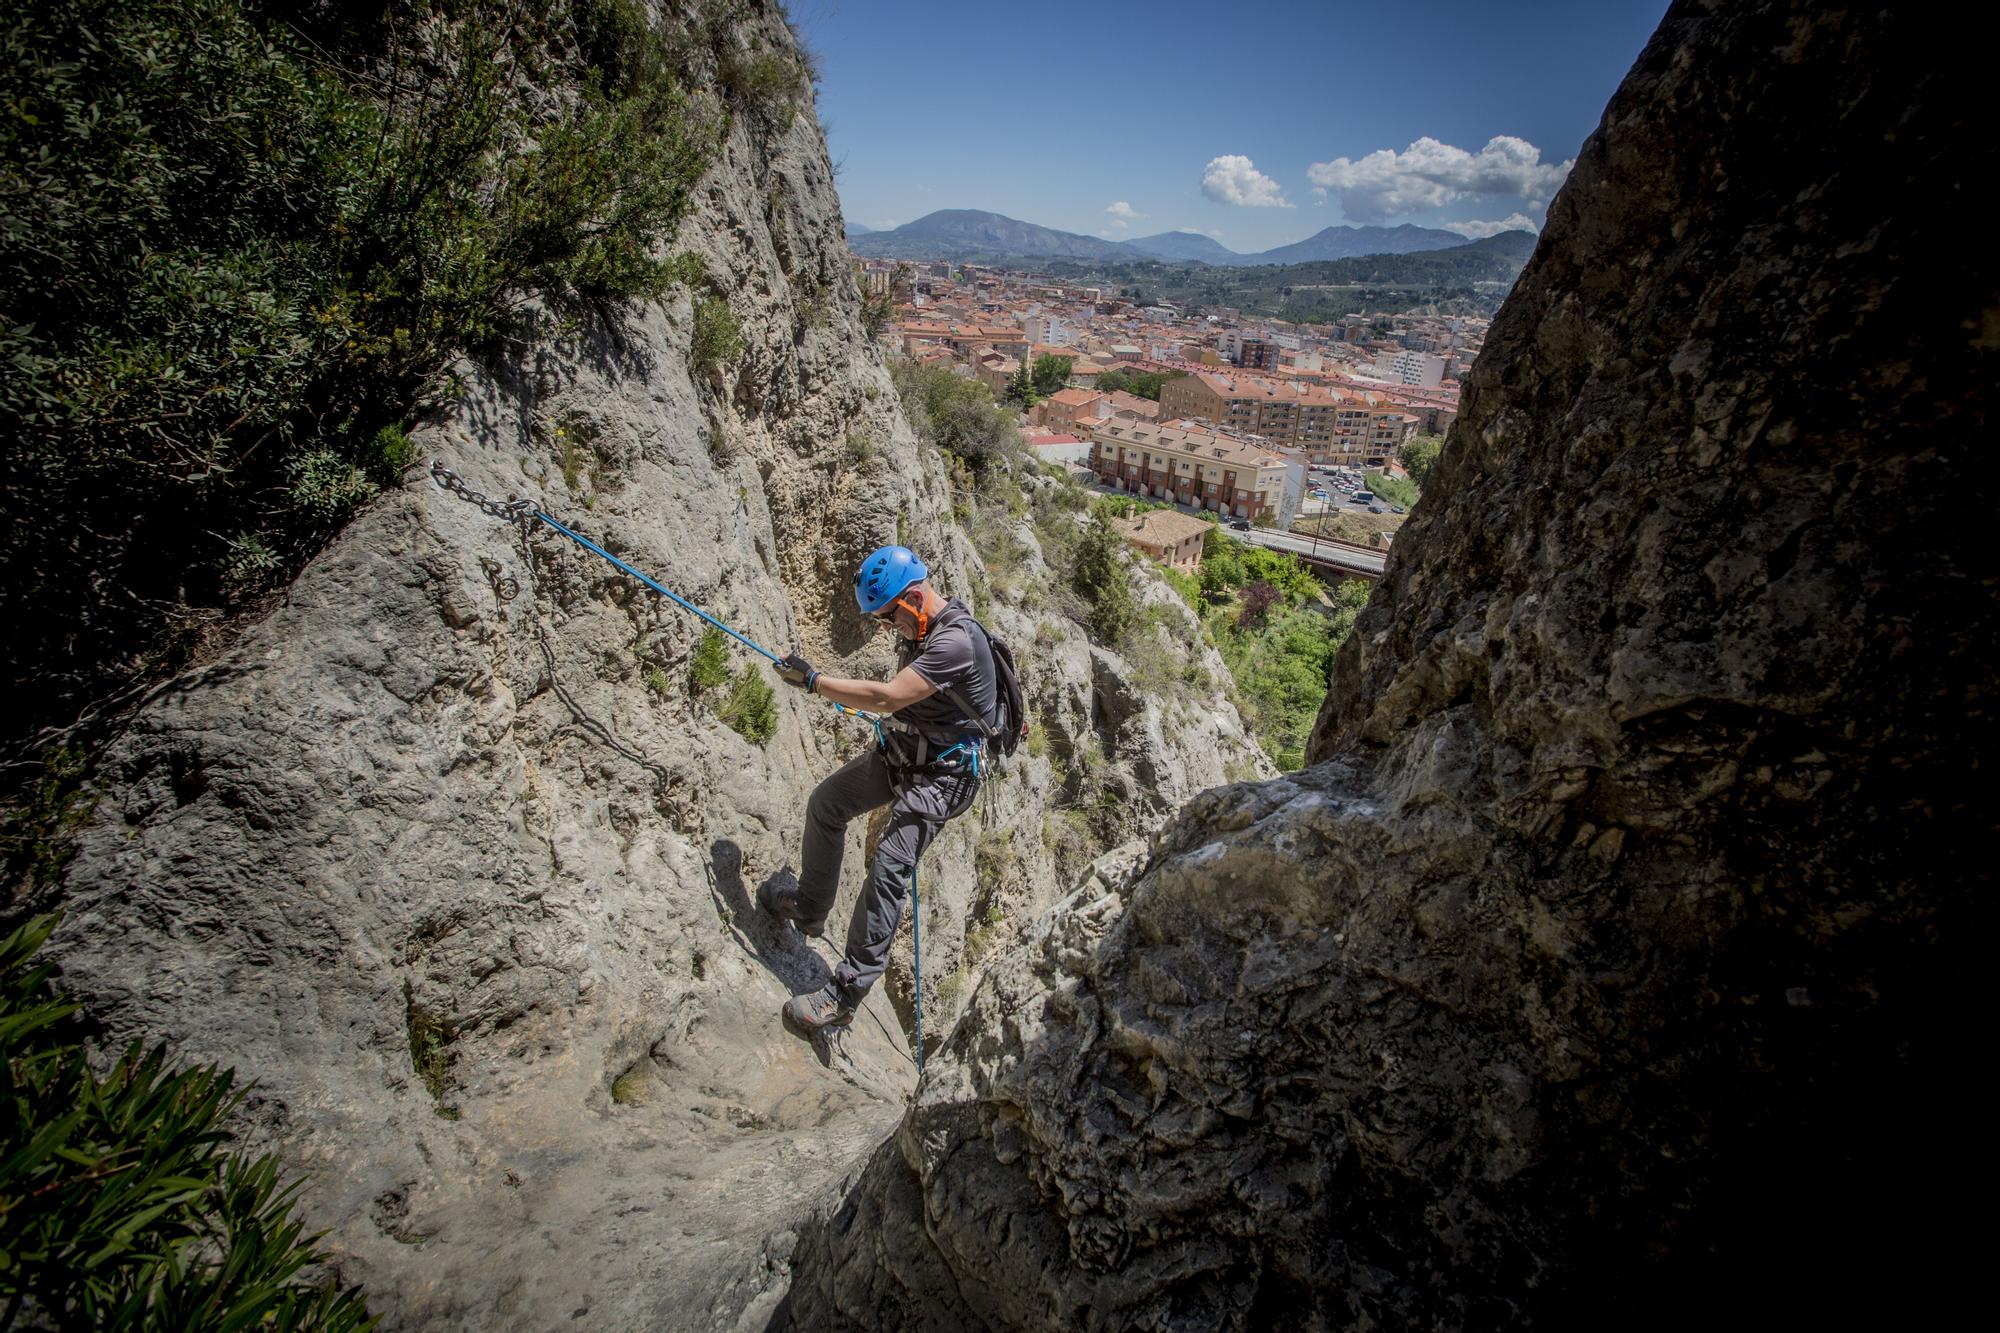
1612, 962
448, 855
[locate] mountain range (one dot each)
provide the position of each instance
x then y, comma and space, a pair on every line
969, 234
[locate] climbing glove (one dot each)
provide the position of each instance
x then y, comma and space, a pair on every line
797, 671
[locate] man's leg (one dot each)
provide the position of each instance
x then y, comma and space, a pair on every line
913, 821
860, 785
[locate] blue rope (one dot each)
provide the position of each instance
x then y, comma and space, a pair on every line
679, 600
589, 545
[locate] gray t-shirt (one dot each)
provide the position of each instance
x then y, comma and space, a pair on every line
952, 652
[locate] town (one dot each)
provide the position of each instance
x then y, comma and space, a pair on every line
1262, 467
1311, 439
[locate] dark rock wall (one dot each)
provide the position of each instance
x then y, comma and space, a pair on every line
1618, 956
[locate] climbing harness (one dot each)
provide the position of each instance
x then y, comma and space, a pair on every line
520, 511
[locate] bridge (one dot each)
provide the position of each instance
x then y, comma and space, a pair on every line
1324, 554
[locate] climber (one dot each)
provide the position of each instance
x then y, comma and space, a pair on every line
936, 711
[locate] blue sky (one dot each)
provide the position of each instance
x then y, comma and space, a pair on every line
1258, 126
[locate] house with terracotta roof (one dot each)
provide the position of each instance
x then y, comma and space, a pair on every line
1068, 407
1122, 404
1174, 539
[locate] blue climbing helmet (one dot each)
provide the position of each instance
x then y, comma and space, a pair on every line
884, 575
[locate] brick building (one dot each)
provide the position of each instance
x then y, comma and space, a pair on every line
1332, 425
1196, 466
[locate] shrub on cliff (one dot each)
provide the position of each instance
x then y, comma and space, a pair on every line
751, 710
123, 1205
237, 253
955, 414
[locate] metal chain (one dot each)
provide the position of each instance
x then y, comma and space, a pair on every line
510, 509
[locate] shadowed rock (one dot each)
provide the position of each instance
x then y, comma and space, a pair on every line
1615, 957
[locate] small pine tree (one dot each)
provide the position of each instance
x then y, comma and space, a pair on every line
751, 710
1021, 389
1099, 576
710, 666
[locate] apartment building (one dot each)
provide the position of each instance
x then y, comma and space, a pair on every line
1257, 354
1197, 466
1420, 369
1330, 425
1052, 329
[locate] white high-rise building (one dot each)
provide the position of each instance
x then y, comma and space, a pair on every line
1419, 369
1052, 330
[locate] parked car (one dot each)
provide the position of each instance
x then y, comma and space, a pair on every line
1240, 524
1374, 509
1398, 509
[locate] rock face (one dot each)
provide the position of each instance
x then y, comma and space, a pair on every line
1613, 959
450, 857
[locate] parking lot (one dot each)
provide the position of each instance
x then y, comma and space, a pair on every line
1333, 490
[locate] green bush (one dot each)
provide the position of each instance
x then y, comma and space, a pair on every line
766, 85
390, 454
751, 710
124, 1206
234, 265
1396, 490
710, 665
955, 414
1419, 456
1280, 665
1100, 577
718, 338
35, 836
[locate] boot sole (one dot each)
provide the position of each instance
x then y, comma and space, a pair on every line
815, 929
801, 1031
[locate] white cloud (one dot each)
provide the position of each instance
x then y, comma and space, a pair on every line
1387, 184
1121, 209
1481, 230
1234, 179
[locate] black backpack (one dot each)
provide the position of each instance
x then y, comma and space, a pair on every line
1010, 727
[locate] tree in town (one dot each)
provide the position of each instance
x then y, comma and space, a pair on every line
1051, 374
1021, 389
1256, 601
1419, 456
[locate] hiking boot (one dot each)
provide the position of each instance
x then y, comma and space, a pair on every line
816, 1011
779, 895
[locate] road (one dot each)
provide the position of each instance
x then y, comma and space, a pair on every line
1357, 559
1344, 555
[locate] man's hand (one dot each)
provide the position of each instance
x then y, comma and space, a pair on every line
797, 671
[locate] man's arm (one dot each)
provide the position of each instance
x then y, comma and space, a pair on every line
873, 695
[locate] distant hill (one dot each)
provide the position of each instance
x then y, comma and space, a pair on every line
968, 234
1343, 242
1516, 244
1184, 246
971, 235
1470, 278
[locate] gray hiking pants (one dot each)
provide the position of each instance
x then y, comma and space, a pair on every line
862, 785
